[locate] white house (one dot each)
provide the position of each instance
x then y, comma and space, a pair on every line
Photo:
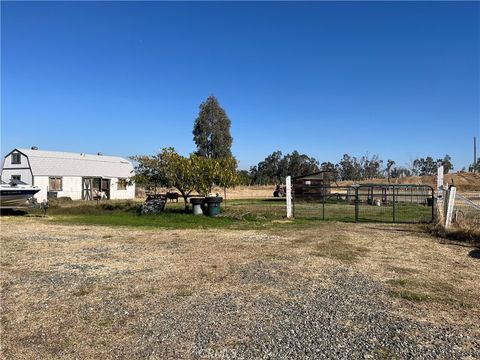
74, 175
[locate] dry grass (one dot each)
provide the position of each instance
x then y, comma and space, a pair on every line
463, 181
70, 289
463, 229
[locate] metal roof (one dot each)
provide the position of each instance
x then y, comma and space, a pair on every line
313, 176
55, 163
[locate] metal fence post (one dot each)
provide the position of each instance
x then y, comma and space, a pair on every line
433, 205
356, 204
394, 207
323, 203
288, 186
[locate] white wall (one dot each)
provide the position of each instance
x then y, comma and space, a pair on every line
22, 169
25, 175
72, 188
42, 183
129, 193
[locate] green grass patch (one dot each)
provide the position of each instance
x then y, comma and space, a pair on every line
410, 295
340, 250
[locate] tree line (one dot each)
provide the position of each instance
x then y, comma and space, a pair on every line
213, 163
276, 166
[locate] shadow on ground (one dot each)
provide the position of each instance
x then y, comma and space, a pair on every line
474, 254
12, 212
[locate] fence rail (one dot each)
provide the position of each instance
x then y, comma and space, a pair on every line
467, 208
370, 203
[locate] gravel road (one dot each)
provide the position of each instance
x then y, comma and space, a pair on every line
349, 319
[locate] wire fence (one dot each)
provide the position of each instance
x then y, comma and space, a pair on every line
467, 208
366, 202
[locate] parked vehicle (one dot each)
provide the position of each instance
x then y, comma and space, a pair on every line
280, 191
16, 194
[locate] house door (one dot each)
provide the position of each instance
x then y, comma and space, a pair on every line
86, 188
106, 187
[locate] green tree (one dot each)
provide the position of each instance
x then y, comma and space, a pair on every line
475, 167
388, 169
243, 177
350, 168
370, 167
186, 174
211, 131
167, 168
446, 162
276, 167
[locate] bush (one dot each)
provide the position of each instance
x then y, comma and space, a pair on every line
467, 230
60, 201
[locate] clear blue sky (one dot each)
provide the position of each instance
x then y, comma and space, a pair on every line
396, 79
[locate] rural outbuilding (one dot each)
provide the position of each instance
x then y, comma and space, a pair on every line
314, 186
74, 175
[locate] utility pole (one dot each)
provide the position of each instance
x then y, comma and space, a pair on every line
474, 153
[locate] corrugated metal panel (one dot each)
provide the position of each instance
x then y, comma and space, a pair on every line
54, 163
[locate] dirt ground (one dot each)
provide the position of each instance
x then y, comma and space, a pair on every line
342, 290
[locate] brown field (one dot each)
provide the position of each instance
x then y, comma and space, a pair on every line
468, 183
77, 291
463, 181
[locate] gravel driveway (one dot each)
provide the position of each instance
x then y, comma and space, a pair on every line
349, 319
82, 292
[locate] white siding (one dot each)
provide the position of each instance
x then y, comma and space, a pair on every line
42, 183
128, 193
71, 168
25, 174
23, 161
22, 169
71, 187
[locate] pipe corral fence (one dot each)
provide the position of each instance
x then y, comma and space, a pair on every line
396, 203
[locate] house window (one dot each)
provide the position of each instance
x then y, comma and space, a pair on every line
55, 184
16, 158
122, 184
17, 177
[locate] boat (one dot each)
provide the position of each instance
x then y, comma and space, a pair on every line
16, 194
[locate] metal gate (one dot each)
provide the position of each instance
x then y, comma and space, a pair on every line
366, 202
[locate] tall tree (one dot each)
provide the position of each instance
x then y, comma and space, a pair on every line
211, 131
446, 162
388, 169
276, 167
475, 167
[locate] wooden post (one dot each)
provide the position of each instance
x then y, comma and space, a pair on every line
451, 203
440, 184
474, 153
288, 183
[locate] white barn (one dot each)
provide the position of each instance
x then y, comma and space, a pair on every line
78, 176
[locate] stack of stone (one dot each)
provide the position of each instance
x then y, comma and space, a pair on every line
154, 205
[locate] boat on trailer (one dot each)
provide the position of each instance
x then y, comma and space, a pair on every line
16, 194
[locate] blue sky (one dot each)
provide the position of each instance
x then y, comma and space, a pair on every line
396, 79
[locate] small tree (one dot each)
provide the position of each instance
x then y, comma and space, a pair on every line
167, 168
210, 172
186, 174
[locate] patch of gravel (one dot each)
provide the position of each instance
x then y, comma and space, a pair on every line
351, 319
257, 272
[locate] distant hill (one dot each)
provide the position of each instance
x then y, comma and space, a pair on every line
463, 181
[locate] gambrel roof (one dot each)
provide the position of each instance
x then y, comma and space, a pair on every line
55, 163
